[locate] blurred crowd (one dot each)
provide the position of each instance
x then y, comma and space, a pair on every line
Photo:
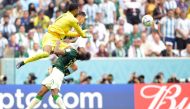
114, 26
107, 78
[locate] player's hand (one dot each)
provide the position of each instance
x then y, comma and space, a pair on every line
86, 31
20, 64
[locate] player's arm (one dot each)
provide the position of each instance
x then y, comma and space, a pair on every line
78, 29
74, 34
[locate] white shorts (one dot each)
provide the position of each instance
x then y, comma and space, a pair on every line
54, 80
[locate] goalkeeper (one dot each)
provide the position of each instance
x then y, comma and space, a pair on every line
56, 32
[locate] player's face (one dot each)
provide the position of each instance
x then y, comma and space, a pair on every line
81, 19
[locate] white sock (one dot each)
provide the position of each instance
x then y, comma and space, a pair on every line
60, 103
33, 103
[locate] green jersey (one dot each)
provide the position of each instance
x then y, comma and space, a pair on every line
63, 62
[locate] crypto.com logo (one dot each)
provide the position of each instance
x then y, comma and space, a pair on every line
19, 100
170, 96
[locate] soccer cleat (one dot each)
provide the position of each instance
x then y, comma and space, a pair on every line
20, 64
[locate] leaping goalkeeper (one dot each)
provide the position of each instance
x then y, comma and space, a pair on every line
56, 32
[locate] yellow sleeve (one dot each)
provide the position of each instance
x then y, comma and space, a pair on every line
72, 34
78, 28
35, 21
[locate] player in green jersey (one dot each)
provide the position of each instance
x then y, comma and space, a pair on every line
61, 68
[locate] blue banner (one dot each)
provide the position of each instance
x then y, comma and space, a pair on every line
74, 97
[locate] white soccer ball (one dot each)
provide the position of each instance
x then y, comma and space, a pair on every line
147, 20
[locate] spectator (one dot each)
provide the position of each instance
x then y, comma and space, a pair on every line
133, 79
25, 4
3, 45
84, 78
17, 24
127, 27
50, 10
31, 79
26, 21
159, 11
17, 11
167, 27
57, 14
177, 13
170, 4
186, 52
7, 28
173, 79
182, 5
37, 35
30, 39
90, 9
35, 50
31, 9
182, 30
126, 43
168, 52
21, 36
108, 11
141, 78
42, 20
107, 79
133, 11
102, 51
111, 44
3, 79
136, 50
120, 34
119, 51
9, 12
8, 2
100, 28
81, 4
93, 43
146, 45
135, 34
13, 47
157, 45
159, 78
22, 53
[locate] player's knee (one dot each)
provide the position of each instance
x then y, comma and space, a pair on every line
54, 92
47, 49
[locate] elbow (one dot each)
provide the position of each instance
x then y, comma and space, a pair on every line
74, 67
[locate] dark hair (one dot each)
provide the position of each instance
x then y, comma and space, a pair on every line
81, 14
73, 6
83, 56
41, 12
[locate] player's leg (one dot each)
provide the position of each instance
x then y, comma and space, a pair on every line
38, 97
58, 100
46, 52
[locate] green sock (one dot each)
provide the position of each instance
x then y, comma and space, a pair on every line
55, 97
59, 101
39, 97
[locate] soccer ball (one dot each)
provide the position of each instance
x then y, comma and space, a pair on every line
147, 20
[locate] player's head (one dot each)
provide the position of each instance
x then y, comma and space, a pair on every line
83, 54
81, 17
74, 8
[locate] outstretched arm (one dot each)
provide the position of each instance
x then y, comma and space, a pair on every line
74, 34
